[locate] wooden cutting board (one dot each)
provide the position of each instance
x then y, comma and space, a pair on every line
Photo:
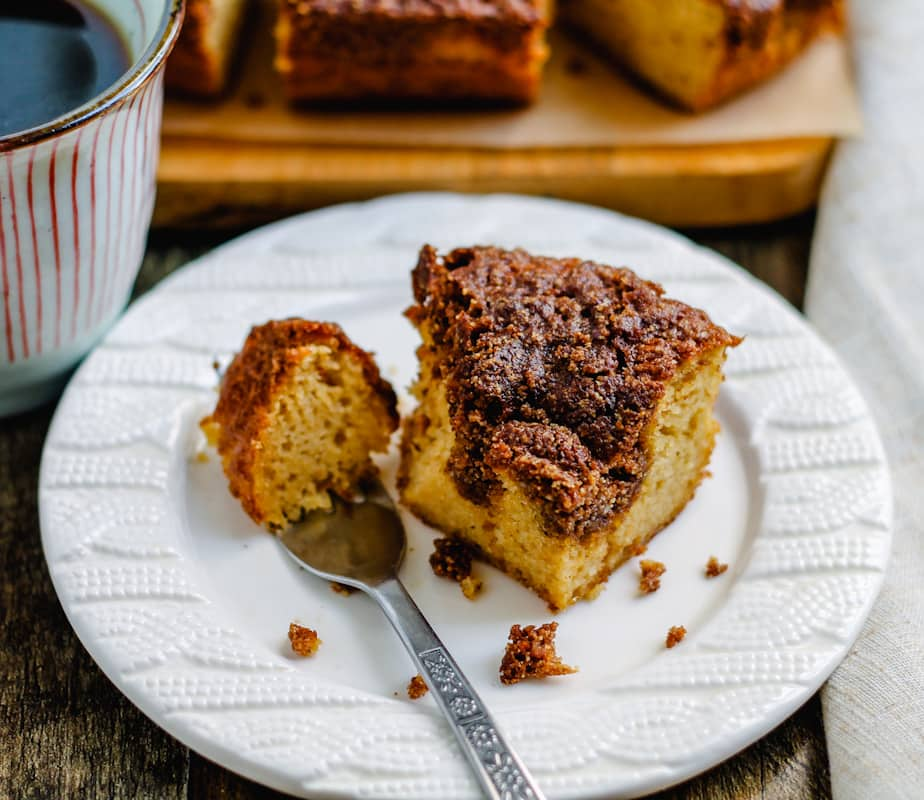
249, 157
204, 184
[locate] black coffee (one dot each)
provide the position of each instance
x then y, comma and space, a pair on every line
55, 55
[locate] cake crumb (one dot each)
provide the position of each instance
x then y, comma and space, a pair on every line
305, 641
452, 558
417, 687
531, 653
639, 549
202, 457
650, 579
341, 588
714, 568
471, 587
675, 636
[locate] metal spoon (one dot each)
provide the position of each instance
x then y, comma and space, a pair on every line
362, 544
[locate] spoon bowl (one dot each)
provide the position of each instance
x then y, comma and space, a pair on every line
361, 544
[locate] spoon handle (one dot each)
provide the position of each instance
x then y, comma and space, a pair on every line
497, 767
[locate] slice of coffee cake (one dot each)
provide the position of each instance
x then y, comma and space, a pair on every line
443, 51
565, 412
301, 408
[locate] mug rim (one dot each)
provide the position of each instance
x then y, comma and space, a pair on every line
133, 79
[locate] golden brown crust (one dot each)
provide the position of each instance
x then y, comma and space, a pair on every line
270, 354
530, 653
304, 641
553, 368
435, 50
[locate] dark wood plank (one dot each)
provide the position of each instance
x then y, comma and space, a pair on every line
65, 731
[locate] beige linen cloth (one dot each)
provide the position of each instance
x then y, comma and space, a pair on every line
866, 297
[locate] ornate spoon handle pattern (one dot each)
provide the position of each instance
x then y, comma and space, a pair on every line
501, 773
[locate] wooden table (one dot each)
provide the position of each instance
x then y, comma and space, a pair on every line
66, 732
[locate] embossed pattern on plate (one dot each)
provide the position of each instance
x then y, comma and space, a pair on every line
124, 551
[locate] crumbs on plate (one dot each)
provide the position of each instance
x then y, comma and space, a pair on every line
675, 636
530, 653
304, 641
417, 687
650, 579
714, 568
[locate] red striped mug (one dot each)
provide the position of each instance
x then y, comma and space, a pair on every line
76, 196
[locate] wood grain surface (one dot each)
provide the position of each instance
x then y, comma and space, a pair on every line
66, 732
225, 184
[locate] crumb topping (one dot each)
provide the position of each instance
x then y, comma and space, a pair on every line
417, 687
675, 636
511, 11
304, 641
531, 653
452, 558
650, 579
714, 568
553, 368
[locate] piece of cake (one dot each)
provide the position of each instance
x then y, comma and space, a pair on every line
698, 53
565, 412
201, 60
433, 50
301, 408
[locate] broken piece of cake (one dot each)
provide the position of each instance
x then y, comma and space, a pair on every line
530, 653
565, 412
442, 50
698, 53
201, 61
300, 410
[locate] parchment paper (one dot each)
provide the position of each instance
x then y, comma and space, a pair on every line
585, 102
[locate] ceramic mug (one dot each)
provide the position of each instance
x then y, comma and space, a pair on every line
76, 197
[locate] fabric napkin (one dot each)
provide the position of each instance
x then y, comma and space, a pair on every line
866, 296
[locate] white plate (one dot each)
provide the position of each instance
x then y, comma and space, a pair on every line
185, 604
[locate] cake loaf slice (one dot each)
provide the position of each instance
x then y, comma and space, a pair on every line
565, 412
301, 407
432, 50
698, 53
200, 62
